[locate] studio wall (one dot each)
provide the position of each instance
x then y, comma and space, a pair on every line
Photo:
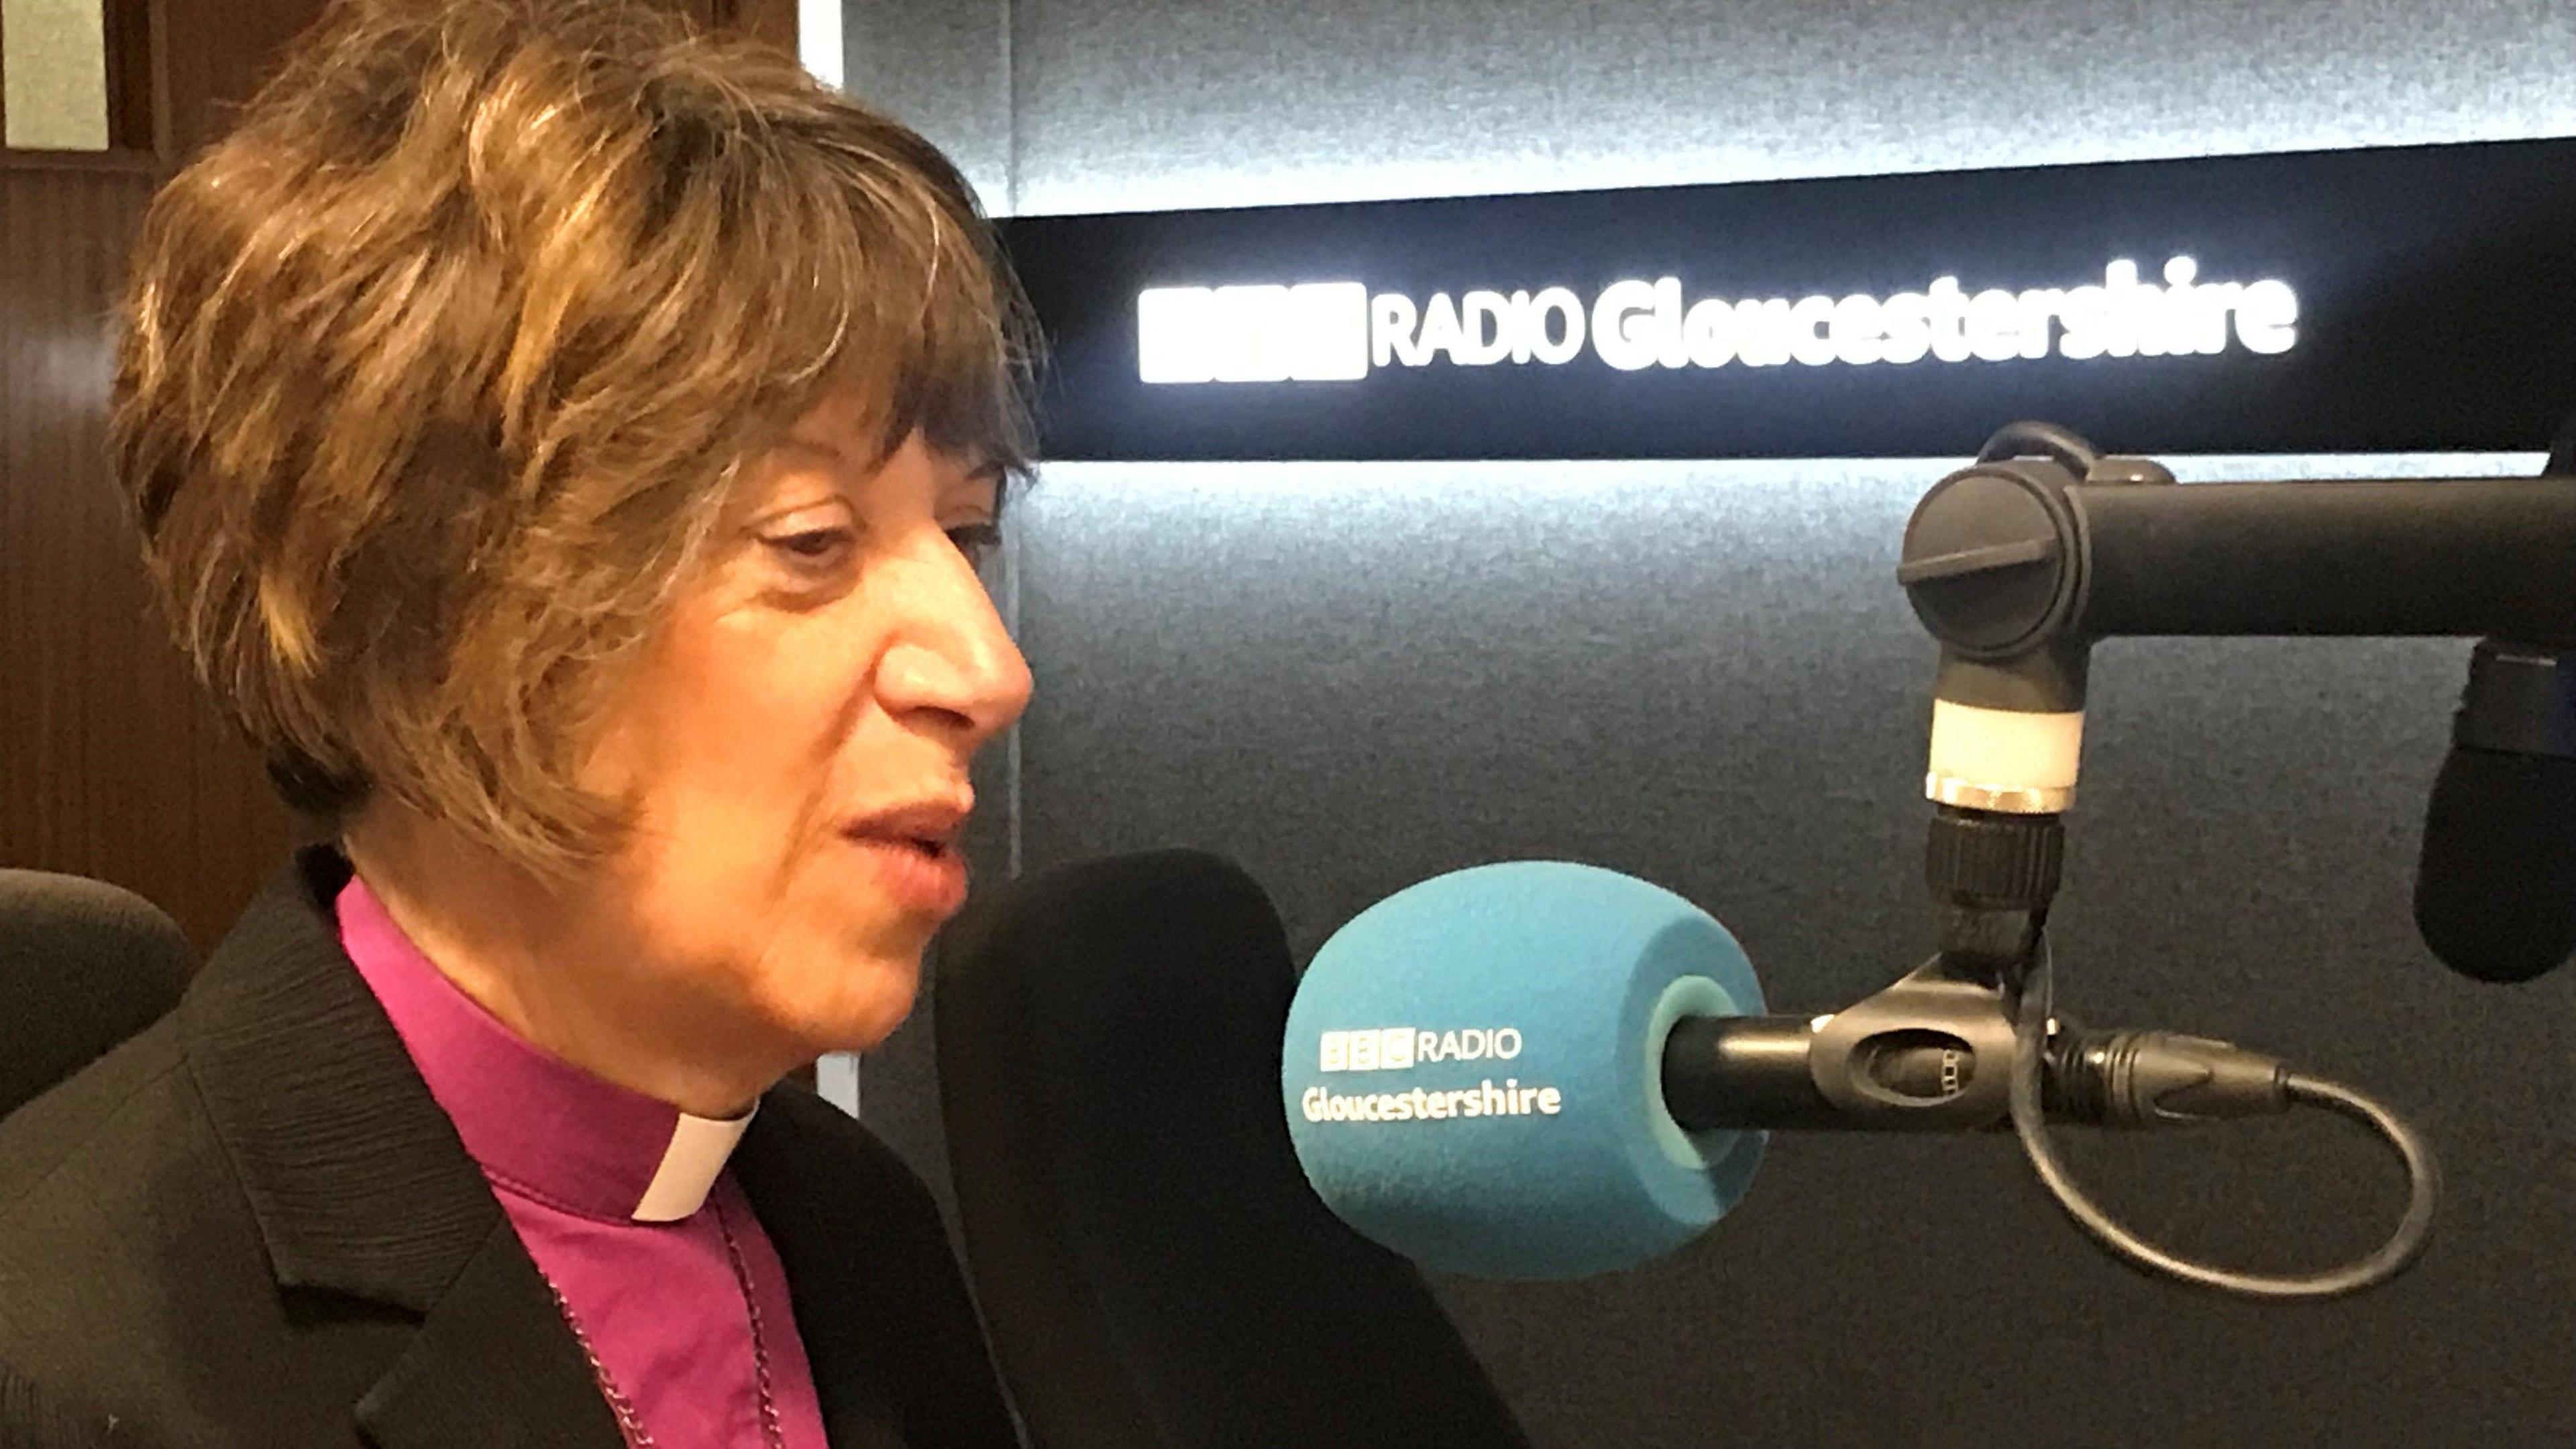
1352, 676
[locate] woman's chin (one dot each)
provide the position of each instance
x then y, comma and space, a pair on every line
853, 1007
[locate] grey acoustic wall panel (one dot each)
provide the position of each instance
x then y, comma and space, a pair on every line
1349, 678
944, 68
1139, 104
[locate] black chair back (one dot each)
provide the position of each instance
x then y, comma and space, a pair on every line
83, 966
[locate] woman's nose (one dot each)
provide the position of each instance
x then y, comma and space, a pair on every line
949, 657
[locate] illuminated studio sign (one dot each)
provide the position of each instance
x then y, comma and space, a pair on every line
2399, 299
1339, 331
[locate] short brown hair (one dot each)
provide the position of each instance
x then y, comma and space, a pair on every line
436, 371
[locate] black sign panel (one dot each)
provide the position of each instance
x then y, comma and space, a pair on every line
2400, 299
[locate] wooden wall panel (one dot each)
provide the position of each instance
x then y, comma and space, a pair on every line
111, 765
127, 34
212, 56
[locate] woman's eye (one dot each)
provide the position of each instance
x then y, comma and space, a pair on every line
812, 548
977, 541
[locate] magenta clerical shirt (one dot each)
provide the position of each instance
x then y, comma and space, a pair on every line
624, 1202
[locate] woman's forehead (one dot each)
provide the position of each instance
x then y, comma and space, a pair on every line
855, 459
844, 414
850, 424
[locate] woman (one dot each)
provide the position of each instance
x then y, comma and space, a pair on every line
564, 446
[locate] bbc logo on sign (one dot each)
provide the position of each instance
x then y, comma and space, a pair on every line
1386, 1049
1317, 332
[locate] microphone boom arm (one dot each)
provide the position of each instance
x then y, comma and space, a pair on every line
2020, 562
2017, 565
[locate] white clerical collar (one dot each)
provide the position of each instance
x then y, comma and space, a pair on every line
698, 1150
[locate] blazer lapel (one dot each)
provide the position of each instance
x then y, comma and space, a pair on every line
360, 1186
898, 1356
819, 1228
486, 1370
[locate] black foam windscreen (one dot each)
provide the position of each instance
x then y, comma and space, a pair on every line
2495, 895
1152, 1266
83, 966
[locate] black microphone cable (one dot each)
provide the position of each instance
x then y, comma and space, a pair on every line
2130, 1078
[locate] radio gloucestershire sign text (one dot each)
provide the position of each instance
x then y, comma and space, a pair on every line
1339, 331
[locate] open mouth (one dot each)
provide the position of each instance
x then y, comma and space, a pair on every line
930, 846
925, 830
924, 872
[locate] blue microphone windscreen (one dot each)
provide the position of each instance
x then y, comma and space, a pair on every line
1473, 1071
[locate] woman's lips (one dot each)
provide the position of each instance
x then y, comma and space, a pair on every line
923, 876
911, 849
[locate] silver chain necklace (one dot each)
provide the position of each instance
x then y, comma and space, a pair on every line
629, 1423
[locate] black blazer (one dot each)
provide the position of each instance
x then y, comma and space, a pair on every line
252, 1225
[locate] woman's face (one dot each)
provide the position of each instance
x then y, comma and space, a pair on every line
795, 742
